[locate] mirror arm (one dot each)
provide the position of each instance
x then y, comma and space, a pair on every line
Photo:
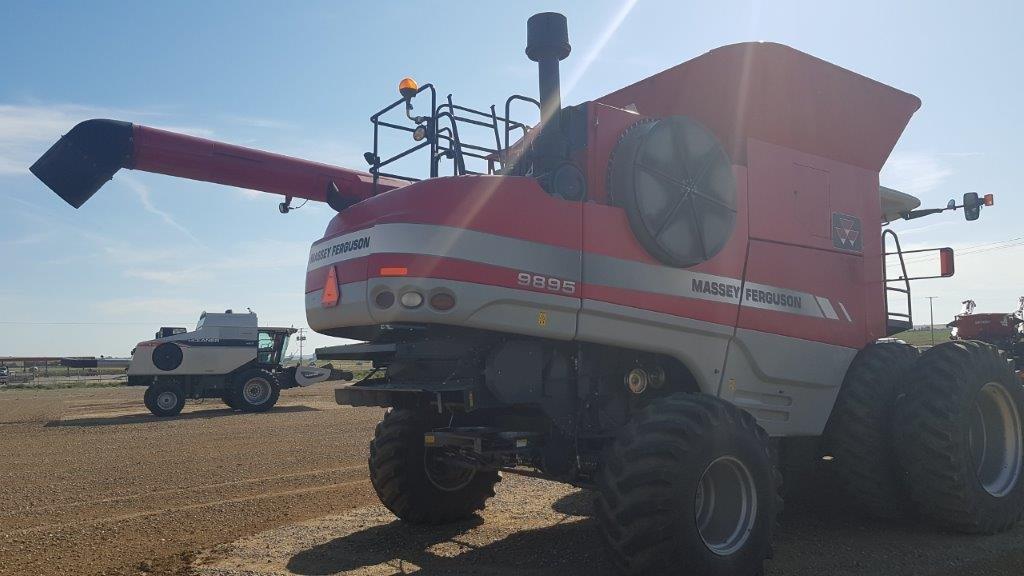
920, 213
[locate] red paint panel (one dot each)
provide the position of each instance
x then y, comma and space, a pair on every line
419, 266
706, 310
777, 94
838, 277
516, 207
353, 270
452, 269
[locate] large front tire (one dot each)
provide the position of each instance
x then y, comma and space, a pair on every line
255, 391
859, 434
689, 487
959, 436
413, 483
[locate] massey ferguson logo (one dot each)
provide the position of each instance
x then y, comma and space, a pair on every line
340, 248
846, 233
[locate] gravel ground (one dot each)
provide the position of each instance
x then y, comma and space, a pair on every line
91, 484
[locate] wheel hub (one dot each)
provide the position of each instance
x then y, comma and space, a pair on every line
995, 440
726, 505
166, 400
443, 474
256, 391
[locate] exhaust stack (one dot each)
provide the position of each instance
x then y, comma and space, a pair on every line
85, 158
547, 43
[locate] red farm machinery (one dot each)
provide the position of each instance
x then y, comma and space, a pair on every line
1002, 330
657, 294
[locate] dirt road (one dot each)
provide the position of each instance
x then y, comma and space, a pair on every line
91, 484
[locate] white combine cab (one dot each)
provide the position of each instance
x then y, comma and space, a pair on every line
228, 356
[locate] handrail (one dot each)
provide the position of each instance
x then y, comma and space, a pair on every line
905, 278
443, 138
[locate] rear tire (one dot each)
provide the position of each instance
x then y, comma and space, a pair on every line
959, 436
689, 486
255, 391
229, 398
164, 399
859, 434
412, 484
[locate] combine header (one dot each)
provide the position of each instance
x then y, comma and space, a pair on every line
654, 293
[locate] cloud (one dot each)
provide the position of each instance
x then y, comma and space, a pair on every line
176, 277
27, 130
142, 306
142, 191
264, 123
916, 173
205, 267
28, 239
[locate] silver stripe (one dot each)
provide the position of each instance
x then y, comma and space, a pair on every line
826, 307
449, 242
619, 273
845, 313
564, 263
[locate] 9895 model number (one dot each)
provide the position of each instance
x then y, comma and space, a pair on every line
549, 283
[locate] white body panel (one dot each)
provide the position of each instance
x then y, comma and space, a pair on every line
220, 344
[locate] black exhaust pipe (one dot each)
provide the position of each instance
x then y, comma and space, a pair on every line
547, 43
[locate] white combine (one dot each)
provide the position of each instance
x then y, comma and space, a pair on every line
228, 356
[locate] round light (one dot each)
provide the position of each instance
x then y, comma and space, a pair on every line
412, 299
385, 299
419, 133
442, 301
408, 87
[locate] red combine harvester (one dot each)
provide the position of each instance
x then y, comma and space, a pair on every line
655, 293
1004, 331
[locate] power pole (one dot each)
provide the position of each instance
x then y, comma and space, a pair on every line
301, 338
931, 317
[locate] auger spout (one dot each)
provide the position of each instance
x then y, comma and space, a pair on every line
89, 155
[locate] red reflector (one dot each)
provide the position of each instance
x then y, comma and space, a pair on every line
990, 199
331, 291
946, 262
396, 271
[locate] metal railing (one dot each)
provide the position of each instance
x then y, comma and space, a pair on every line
441, 136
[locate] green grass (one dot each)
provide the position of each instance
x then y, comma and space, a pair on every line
923, 337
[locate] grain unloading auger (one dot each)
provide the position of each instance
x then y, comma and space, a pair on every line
661, 293
85, 158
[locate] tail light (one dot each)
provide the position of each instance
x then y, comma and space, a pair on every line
442, 301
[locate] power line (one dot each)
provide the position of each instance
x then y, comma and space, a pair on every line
968, 250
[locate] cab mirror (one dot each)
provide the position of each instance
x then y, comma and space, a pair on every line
972, 206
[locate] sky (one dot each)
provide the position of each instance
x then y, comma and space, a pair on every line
302, 78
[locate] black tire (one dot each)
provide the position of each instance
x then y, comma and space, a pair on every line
254, 391
650, 489
147, 398
229, 398
399, 473
859, 434
164, 399
951, 387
